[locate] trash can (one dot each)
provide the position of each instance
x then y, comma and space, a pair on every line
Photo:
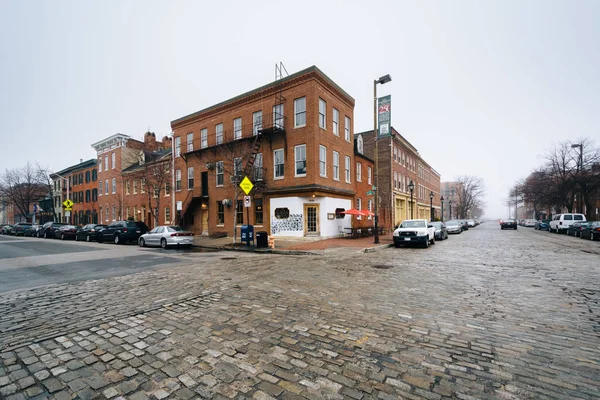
248, 234
262, 239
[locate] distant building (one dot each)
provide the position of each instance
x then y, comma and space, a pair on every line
79, 184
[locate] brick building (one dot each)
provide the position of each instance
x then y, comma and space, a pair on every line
80, 181
399, 164
119, 196
293, 138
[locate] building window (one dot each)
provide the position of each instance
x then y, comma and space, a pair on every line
220, 213
167, 188
237, 128
178, 146
336, 122
300, 112
256, 122
114, 213
190, 142
143, 185
100, 170
395, 180
347, 168
135, 186
258, 211
258, 167
300, 157
100, 219
87, 176
94, 175
106, 164
114, 185
127, 186
279, 164
323, 161
347, 129
336, 166
94, 194
177, 180
167, 215
219, 133
370, 206
113, 159
100, 188
190, 178
369, 172
219, 173
106, 186
204, 138
322, 114
395, 154
359, 144
278, 116
88, 196
237, 166
282, 213
239, 212
358, 172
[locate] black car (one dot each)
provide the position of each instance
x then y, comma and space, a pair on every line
508, 224
19, 228
591, 231
65, 232
89, 232
441, 232
120, 232
49, 228
31, 231
576, 227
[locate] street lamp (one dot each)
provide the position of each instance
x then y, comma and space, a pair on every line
580, 171
383, 80
431, 206
411, 186
450, 206
442, 200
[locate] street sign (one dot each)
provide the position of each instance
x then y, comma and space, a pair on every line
246, 185
68, 203
370, 193
247, 201
179, 205
67, 214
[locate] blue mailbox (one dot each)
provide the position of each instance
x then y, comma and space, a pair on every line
248, 234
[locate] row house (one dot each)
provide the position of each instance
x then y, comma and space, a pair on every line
126, 172
79, 184
450, 191
400, 164
293, 138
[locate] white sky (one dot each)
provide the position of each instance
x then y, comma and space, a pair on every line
481, 88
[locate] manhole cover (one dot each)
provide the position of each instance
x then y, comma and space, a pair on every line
382, 266
228, 258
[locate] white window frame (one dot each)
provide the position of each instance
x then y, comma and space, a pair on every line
219, 133
323, 161
258, 167
359, 172
322, 114
106, 186
114, 185
336, 122
359, 206
237, 128
167, 215
347, 164
190, 171
106, 162
99, 167
178, 146
178, 180
278, 120
275, 153
336, 166
100, 186
347, 129
369, 174
219, 173
300, 111
298, 150
256, 122
190, 141
204, 138
128, 187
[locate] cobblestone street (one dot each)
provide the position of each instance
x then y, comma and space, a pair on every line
484, 314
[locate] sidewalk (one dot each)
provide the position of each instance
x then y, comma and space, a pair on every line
301, 245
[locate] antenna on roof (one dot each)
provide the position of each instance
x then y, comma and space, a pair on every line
279, 70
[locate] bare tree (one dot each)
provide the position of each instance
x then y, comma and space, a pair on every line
470, 191
585, 179
561, 168
23, 187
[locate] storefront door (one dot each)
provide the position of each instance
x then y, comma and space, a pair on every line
311, 220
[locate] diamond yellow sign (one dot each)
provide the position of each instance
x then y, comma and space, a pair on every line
68, 204
246, 185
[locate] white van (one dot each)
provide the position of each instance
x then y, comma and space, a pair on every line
561, 222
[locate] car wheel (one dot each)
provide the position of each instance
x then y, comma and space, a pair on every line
77, 238
592, 237
87, 238
433, 240
45, 235
142, 242
427, 243
163, 243
62, 236
117, 239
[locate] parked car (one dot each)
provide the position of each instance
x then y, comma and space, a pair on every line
7, 229
575, 228
453, 226
49, 228
591, 231
542, 225
471, 223
508, 224
441, 232
19, 228
65, 232
529, 223
165, 236
89, 232
31, 231
561, 222
414, 231
120, 232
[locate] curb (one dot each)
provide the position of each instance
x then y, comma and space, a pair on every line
377, 248
255, 250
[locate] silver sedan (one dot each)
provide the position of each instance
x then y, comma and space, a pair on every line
165, 236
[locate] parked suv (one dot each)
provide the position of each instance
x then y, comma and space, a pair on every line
20, 227
561, 222
120, 232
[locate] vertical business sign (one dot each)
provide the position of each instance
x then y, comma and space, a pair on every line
384, 116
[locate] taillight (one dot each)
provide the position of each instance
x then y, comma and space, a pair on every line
182, 234
124, 229
91, 230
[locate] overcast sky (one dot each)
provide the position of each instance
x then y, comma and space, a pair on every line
479, 87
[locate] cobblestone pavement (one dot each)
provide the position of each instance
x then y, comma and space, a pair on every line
485, 314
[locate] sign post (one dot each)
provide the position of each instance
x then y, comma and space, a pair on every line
247, 185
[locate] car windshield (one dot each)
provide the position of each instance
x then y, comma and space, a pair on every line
452, 223
174, 228
413, 224
437, 224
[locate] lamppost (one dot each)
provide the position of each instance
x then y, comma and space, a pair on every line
411, 186
450, 206
383, 80
431, 206
580, 171
442, 200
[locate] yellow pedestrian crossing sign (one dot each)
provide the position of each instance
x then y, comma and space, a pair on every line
246, 185
68, 204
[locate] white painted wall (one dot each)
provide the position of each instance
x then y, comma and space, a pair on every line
294, 226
